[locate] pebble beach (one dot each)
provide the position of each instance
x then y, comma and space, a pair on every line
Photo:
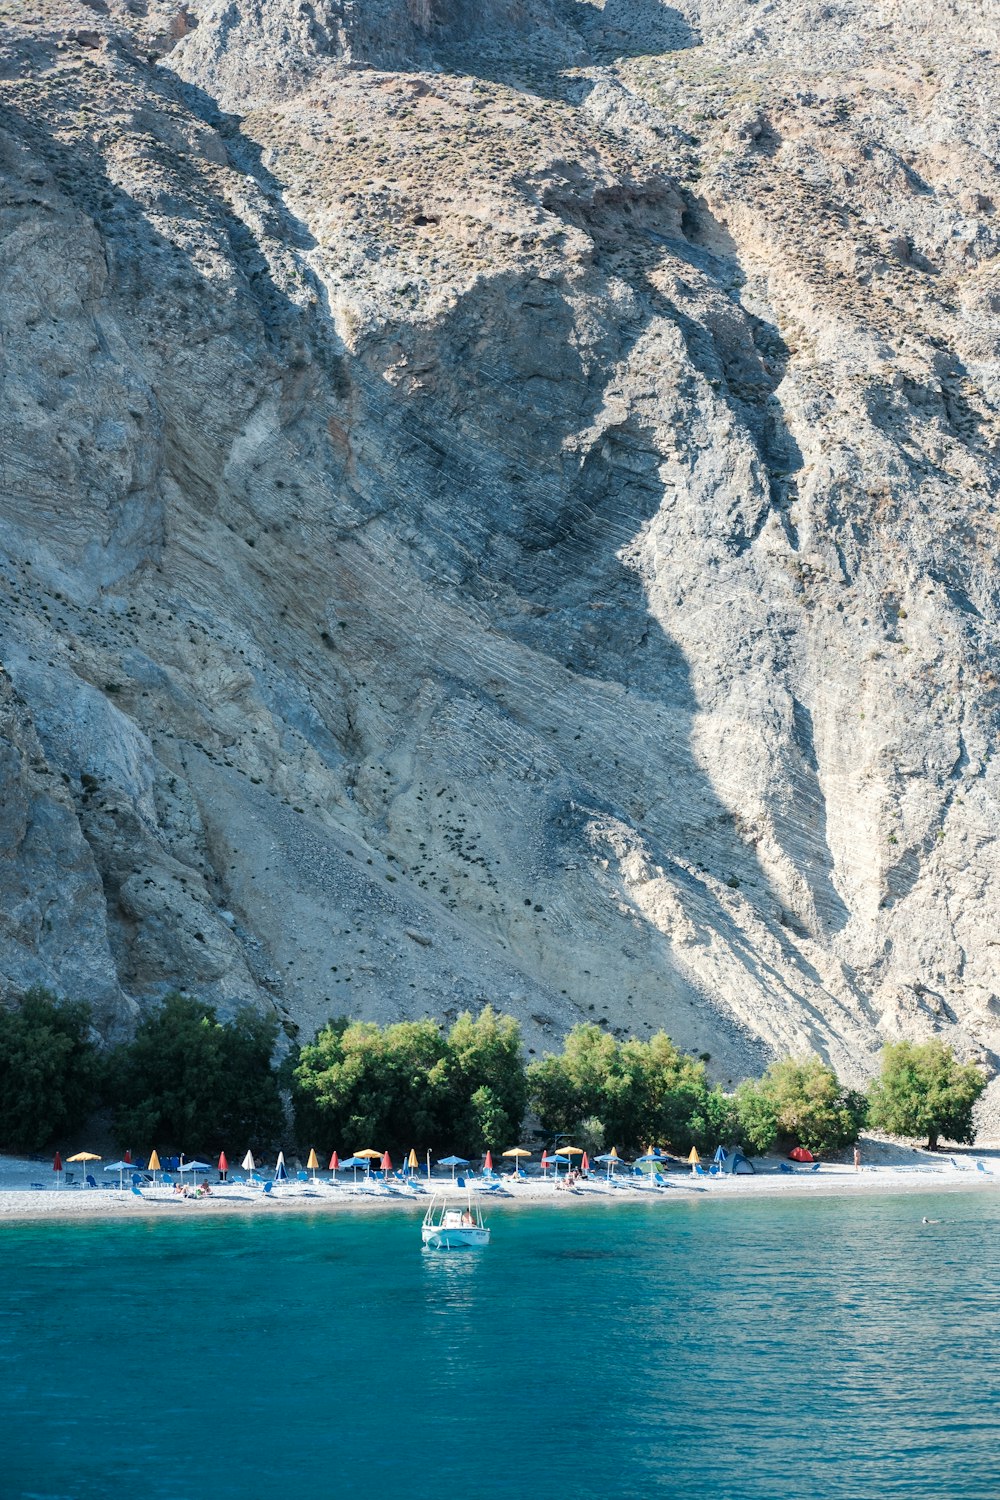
29, 1189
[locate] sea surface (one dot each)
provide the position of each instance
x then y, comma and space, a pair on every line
829, 1349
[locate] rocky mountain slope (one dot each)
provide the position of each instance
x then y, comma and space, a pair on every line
499, 501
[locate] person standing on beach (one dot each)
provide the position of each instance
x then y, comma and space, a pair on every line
857, 1160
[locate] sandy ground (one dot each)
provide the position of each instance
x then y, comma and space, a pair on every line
886, 1167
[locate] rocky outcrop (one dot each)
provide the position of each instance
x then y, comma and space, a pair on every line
499, 502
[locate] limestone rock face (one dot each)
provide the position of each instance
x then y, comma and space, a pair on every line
499, 501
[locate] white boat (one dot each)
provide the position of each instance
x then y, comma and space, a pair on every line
447, 1228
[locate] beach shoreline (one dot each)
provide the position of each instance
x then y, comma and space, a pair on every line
49, 1203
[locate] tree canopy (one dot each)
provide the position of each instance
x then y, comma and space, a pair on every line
48, 1069
637, 1092
799, 1101
192, 1082
924, 1090
411, 1085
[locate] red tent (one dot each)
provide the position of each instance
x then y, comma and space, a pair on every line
799, 1153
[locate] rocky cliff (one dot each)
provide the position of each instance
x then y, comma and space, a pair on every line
499, 501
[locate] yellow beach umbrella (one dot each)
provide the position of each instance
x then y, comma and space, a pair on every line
369, 1156
412, 1164
84, 1156
693, 1157
570, 1151
516, 1152
313, 1162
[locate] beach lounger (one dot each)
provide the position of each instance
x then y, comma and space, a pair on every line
302, 1177
267, 1188
91, 1181
137, 1190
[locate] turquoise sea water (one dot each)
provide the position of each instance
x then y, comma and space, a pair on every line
764, 1350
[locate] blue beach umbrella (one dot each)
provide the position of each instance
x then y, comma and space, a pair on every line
612, 1159
452, 1162
280, 1171
121, 1167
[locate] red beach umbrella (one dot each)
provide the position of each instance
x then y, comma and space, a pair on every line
585, 1163
57, 1165
334, 1164
545, 1162
223, 1166
128, 1157
488, 1163
386, 1163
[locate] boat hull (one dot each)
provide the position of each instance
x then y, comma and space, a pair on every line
438, 1237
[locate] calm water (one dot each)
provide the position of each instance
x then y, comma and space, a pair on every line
701, 1351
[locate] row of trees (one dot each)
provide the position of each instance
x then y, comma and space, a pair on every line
188, 1080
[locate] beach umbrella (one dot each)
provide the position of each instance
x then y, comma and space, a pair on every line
354, 1162
194, 1167
154, 1164
223, 1166
57, 1167
121, 1167
584, 1163
369, 1154
570, 1150
334, 1166
386, 1162
313, 1162
545, 1162
693, 1157
612, 1159
488, 1162
411, 1162
84, 1156
517, 1152
452, 1162
280, 1170
248, 1162
128, 1157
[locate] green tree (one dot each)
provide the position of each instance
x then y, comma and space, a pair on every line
408, 1085
643, 1093
923, 1090
49, 1069
799, 1101
487, 1084
357, 1085
756, 1116
189, 1082
568, 1087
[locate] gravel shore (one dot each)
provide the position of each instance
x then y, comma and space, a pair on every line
20, 1201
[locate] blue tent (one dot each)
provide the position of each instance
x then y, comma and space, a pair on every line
737, 1162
